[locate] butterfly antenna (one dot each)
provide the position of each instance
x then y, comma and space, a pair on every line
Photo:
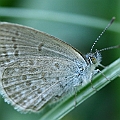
109, 48
102, 33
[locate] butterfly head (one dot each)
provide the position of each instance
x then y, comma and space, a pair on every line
93, 58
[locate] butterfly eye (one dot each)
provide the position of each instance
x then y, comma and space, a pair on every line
93, 59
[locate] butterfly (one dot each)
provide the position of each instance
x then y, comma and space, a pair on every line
37, 68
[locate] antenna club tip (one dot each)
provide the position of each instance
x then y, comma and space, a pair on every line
112, 20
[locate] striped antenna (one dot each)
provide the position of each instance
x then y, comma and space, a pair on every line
109, 48
102, 33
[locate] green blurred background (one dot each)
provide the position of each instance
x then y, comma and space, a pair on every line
79, 23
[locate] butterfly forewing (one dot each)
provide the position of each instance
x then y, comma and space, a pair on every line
19, 40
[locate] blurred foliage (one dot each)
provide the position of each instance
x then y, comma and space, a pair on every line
106, 103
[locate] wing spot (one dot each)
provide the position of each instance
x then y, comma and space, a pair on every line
15, 46
43, 99
28, 83
40, 46
5, 82
5, 54
7, 60
12, 96
16, 33
8, 90
24, 77
4, 47
31, 70
44, 79
39, 91
57, 78
34, 87
57, 65
16, 53
31, 62
13, 39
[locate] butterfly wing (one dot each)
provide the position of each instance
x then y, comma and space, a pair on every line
34, 67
